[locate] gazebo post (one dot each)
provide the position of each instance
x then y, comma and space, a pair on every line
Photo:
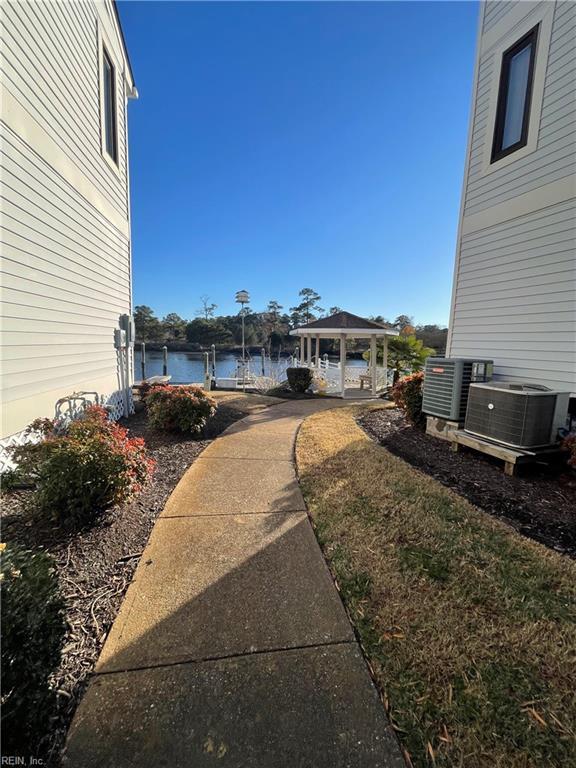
373, 362
343, 364
317, 351
309, 350
385, 360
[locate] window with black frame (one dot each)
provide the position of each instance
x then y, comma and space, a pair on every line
515, 96
109, 106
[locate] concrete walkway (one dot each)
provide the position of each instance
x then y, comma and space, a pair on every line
232, 647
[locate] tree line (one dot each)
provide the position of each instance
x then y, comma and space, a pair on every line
268, 328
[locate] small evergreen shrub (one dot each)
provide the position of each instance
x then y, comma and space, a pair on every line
299, 379
12, 480
407, 394
85, 467
33, 629
179, 408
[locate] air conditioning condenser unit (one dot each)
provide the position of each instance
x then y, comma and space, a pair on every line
521, 416
446, 384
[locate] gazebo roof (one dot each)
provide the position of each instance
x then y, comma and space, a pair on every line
344, 323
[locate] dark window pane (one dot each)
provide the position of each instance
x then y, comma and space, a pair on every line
517, 95
514, 96
109, 86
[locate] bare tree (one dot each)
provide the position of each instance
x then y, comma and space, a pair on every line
208, 309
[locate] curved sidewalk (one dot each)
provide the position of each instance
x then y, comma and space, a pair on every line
232, 647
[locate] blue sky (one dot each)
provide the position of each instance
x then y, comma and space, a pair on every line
277, 146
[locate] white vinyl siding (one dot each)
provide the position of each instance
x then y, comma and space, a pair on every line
65, 281
50, 65
495, 11
514, 296
66, 272
555, 157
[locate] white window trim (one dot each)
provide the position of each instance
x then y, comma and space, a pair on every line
544, 19
104, 45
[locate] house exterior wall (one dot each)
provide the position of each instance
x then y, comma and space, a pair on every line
514, 294
66, 268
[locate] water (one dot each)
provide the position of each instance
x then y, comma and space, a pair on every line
188, 367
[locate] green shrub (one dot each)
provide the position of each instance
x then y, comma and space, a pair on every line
299, 379
407, 394
179, 408
33, 629
12, 480
83, 469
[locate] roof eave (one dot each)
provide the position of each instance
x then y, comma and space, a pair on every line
336, 332
133, 92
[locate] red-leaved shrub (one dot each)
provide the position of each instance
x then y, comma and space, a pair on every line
180, 408
407, 394
569, 444
84, 468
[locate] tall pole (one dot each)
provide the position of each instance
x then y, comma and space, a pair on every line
243, 337
243, 298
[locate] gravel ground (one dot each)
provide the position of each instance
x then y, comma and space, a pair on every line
95, 565
540, 502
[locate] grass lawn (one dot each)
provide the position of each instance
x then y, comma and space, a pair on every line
469, 628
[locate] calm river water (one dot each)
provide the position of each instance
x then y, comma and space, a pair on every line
186, 367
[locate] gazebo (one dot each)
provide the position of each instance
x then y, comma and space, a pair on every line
344, 326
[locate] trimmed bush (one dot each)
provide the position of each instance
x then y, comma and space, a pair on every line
85, 468
12, 480
299, 379
569, 444
407, 394
33, 630
178, 408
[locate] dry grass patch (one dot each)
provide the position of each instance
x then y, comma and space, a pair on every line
470, 628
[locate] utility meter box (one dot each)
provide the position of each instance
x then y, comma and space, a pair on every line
119, 338
127, 325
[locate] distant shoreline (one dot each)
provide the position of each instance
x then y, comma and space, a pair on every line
174, 346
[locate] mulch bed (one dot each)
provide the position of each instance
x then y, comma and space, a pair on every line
96, 565
539, 503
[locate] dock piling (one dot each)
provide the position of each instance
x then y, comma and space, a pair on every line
207, 376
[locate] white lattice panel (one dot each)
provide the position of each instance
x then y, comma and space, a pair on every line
11, 442
114, 401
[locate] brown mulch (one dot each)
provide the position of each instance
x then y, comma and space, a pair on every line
540, 502
96, 565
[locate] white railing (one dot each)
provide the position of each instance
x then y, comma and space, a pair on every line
327, 376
